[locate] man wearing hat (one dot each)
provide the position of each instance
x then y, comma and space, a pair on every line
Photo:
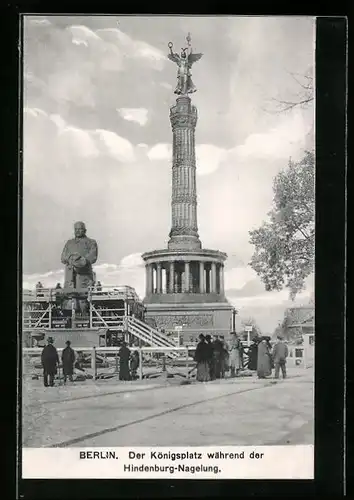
50, 361
280, 353
68, 360
210, 356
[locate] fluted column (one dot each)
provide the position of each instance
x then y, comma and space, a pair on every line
184, 227
201, 278
213, 278
186, 276
172, 277
221, 281
158, 278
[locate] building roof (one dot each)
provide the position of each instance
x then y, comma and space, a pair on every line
300, 316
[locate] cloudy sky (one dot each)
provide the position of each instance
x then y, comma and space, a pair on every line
97, 92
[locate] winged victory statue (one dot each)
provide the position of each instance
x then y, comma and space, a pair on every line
184, 62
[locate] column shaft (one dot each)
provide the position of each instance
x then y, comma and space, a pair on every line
158, 278
147, 280
201, 278
186, 277
213, 278
222, 284
172, 277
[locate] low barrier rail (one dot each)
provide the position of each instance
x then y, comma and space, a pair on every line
149, 358
103, 362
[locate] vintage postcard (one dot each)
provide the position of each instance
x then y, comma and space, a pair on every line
168, 247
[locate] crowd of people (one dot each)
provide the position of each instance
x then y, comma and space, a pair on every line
215, 357
128, 362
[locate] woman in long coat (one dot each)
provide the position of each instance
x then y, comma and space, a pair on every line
252, 356
124, 356
134, 364
235, 353
201, 356
264, 362
224, 357
218, 354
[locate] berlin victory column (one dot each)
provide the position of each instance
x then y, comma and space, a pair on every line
184, 282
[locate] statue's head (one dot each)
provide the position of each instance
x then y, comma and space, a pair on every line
79, 229
183, 53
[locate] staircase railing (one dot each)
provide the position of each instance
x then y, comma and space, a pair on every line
157, 337
100, 318
147, 334
41, 319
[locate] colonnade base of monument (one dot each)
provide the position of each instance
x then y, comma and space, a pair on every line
185, 291
189, 320
184, 272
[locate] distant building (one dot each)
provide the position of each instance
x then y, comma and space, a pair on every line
299, 321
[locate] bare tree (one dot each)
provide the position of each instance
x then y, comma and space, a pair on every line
303, 99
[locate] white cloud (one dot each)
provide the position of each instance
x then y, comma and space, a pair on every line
138, 115
54, 149
131, 261
237, 277
166, 85
81, 140
118, 147
48, 279
59, 121
79, 42
148, 51
209, 158
279, 142
83, 35
132, 48
36, 112
29, 77
105, 267
161, 151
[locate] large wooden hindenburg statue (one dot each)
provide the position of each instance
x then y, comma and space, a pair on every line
78, 256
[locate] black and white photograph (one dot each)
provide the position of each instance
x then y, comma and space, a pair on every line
168, 311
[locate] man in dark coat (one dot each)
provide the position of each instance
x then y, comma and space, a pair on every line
280, 353
68, 360
124, 356
50, 360
218, 357
210, 356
